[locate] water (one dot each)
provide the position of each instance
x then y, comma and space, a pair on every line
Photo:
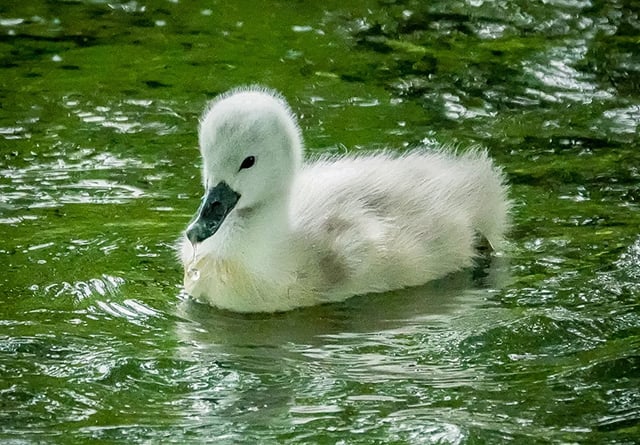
100, 172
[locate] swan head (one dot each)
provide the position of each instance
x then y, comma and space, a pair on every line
251, 148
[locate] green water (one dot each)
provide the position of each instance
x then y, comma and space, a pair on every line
99, 166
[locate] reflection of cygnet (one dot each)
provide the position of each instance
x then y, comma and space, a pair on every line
274, 233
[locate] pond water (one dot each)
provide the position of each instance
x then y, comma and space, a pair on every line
99, 103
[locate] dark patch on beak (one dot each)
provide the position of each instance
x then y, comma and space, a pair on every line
215, 207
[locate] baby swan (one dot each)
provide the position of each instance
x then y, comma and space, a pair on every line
274, 233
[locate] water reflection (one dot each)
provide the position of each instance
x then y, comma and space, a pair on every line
370, 341
370, 313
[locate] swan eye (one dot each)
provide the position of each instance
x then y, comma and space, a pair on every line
248, 162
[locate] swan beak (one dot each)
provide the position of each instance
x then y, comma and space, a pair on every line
215, 207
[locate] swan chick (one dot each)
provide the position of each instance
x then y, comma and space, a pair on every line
274, 233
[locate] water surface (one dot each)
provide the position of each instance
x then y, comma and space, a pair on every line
100, 173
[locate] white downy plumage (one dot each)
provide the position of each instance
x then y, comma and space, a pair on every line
275, 233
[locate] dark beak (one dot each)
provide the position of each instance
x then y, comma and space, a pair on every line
215, 207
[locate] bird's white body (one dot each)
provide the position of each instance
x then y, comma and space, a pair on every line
322, 231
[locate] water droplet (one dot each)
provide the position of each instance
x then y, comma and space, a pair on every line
192, 270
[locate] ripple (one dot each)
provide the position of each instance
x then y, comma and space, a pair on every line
629, 261
106, 285
455, 109
14, 133
364, 102
560, 81
99, 191
71, 178
132, 310
623, 120
129, 116
413, 426
11, 22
